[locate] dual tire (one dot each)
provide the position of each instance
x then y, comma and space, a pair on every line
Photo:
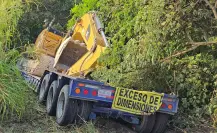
68, 110
71, 110
52, 98
155, 123
146, 124
44, 88
58, 103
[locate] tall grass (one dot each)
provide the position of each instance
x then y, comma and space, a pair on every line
10, 12
13, 90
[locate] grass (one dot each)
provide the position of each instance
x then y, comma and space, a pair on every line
35, 120
13, 89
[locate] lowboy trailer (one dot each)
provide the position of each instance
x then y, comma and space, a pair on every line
77, 100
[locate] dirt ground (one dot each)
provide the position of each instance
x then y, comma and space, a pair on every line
47, 124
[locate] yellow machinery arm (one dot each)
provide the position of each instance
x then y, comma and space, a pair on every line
78, 52
75, 53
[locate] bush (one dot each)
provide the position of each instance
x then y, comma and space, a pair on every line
32, 20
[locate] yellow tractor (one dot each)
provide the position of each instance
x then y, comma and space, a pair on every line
76, 53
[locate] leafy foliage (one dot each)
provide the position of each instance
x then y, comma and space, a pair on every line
78, 10
10, 14
154, 48
32, 22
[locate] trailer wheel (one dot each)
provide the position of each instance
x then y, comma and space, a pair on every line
160, 123
83, 112
66, 107
37, 88
52, 98
43, 89
146, 125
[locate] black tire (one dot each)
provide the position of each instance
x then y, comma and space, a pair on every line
83, 112
66, 108
160, 123
52, 97
146, 125
44, 89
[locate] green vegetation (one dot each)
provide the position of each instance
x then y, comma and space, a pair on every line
10, 13
166, 46
32, 21
13, 90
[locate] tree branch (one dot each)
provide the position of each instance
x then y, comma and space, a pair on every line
202, 43
193, 47
212, 7
216, 4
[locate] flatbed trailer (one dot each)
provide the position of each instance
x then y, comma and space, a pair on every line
94, 98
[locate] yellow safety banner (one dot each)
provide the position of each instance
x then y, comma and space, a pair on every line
136, 102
